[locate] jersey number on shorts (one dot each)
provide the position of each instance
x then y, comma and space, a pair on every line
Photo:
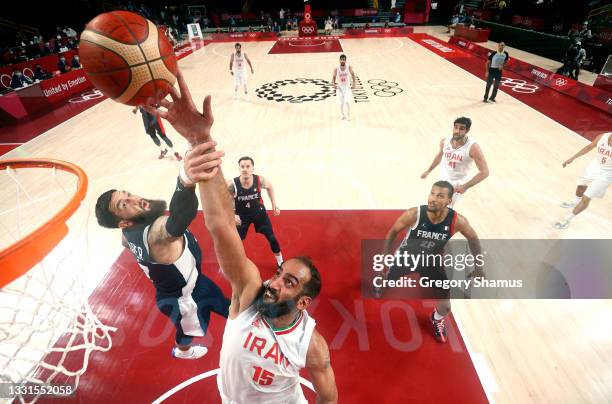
262, 376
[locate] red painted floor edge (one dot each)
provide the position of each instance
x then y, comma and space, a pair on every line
567, 111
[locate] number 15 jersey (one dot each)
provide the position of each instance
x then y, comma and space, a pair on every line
262, 365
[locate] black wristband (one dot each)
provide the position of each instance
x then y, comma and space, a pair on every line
183, 209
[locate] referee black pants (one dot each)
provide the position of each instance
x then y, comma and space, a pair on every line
494, 75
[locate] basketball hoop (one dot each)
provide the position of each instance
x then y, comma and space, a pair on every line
47, 328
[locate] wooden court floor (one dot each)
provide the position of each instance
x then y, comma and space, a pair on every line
524, 351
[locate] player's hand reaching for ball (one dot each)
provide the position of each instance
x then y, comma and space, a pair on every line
202, 162
183, 115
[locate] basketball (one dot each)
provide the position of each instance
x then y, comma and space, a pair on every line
127, 57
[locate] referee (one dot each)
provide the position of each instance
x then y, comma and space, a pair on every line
495, 64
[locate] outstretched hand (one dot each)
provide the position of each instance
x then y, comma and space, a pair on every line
183, 115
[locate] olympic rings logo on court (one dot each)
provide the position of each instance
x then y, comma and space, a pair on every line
87, 96
384, 88
308, 30
270, 91
561, 82
519, 86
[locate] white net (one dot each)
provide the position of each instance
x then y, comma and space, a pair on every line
47, 328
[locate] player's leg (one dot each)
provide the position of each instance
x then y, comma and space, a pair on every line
348, 98
209, 298
236, 83
497, 77
340, 98
579, 192
591, 171
246, 90
184, 348
153, 135
597, 189
442, 296
159, 127
264, 226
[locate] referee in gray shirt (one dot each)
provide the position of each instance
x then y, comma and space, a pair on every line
495, 64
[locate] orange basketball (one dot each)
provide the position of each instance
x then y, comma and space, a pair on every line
127, 57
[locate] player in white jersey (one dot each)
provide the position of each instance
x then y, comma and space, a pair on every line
343, 84
598, 176
456, 154
237, 69
269, 336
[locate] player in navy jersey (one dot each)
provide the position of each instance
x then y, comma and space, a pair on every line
154, 128
170, 256
249, 205
430, 227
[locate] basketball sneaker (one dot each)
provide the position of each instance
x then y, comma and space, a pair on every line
439, 328
178, 156
246, 97
194, 352
162, 154
569, 204
562, 225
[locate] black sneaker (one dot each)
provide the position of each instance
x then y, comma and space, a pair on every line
439, 328
492, 99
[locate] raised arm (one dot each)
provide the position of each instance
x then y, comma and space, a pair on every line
165, 236
407, 219
216, 200
437, 159
320, 370
584, 150
267, 185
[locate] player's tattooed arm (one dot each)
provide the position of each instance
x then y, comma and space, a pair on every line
319, 367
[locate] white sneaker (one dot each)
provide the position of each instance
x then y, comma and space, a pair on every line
235, 96
246, 97
569, 204
343, 117
194, 352
348, 117
564, 224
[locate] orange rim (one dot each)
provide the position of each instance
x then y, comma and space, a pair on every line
21, 256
